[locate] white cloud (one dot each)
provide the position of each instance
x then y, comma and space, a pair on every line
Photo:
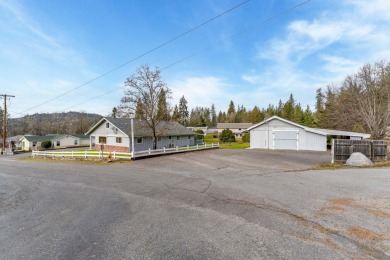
201, 91
318, 52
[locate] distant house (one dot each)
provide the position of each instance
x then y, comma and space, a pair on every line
114, 134
14, 142
33, 142
236, 128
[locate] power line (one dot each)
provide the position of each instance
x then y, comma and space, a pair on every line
140, 56
208, 47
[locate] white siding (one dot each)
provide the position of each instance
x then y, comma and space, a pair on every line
277, 134
110, 134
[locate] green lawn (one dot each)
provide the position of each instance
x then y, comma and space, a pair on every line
234, 145
209, 139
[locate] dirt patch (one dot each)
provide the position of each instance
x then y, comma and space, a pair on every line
343, 201
329, 210
379, 213
366, 234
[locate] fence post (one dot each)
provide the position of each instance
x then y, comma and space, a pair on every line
85, 154
332, 151
188, 147
177, 148
114, 154
149, 150
164, 149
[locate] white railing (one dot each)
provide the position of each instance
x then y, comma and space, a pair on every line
82, 154
119, 155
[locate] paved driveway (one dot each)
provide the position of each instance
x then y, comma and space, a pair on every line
219, 204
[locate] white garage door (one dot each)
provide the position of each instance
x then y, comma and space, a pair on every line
286, 139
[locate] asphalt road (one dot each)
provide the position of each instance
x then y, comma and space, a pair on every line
219, 204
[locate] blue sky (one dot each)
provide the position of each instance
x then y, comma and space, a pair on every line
50, 47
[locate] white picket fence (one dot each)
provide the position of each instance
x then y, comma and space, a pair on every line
119, 155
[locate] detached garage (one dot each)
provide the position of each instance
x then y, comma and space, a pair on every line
278, 133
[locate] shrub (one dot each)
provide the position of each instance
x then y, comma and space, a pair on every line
227, 136
46, 144
246, 138
199, 135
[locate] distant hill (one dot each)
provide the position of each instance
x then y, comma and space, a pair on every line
54, 123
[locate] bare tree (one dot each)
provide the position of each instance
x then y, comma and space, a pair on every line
372, 85
144, 88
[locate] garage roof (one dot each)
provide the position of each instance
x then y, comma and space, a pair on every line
313, 130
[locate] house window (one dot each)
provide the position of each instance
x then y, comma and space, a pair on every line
58, 143
189, 137
76, 142
178, 138
139, 140
107, 125
239, 129
159, 139
34, 144
169, 137
119, 140
102, 139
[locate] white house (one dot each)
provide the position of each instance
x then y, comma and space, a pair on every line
33, 142
279, 133
237, 128
114, 134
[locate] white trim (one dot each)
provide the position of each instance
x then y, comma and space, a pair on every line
99, 123
288, 122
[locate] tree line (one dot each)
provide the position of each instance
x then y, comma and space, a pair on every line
359, 103
52, 123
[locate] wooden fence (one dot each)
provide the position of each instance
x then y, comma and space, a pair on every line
375, 150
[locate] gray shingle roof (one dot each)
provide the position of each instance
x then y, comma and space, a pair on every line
141, 128
233, 125
38, 138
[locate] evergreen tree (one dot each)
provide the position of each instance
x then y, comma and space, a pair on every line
231, 109
213, 116
114, 112
162, 107
176, 114
308, 117
139, 111
207, 117
255, 115
183, 111
298, 115
288, 109
320, 107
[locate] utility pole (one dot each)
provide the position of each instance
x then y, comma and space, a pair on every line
5, 120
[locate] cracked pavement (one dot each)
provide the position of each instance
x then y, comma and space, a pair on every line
218, 204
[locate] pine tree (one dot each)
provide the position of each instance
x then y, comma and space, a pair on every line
176, 114
320, 107
183, 111
139, 111
114, 112
308, 117
288, 109
213, 116
162, 107
231, 109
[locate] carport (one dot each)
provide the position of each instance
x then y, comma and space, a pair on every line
278, 133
